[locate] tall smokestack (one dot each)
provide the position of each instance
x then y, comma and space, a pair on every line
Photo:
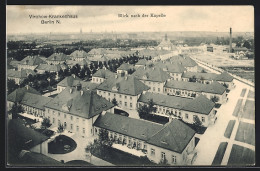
230, 41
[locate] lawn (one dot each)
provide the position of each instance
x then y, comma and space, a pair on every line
246, 133
120, 158
241, 156
251, 94
237, 108
249, 110
220, 153
243, 92
58, 146
229, 128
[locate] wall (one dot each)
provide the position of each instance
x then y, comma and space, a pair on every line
97, 80
155, 87
41, 148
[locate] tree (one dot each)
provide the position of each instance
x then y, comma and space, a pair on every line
247, 45
46, 123
214, 99
151, 106
143, 111
163, 162
114, 102
192, 79
225, 85
16, 108
60, 128
197, 123
11, 85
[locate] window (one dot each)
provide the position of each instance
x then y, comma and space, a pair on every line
53, 120
83, 130
71, 126
130, 98
99, 92
108, 99
120, 96
180, 114
145, 146
58, 113
159, 89
131, 105
174, 159
71, 117
153, 88
77, 119
194, 116
93, 79
120, 102
152, 152
58, 122
203, 119
163, 155
114, 95
64, 115
108, 94
125, 103
65, 124
125, 97
186, 115
77, 128
100, 80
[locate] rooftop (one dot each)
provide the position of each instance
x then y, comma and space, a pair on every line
225, 77
176, 134
151, 74
35, 100
104, 73
83, 103
50, 68
79, 54
58, 57
125, 66
32, 60
185, 61
214, 87
20, 74
68, 81
124, 85
18, 94
192, 105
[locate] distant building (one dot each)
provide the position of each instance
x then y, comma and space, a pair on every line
153, 77
125, 69
208, 78
79, 55
186, 62
193, 90
57, 58
174, 141
185, 108
166, 44
19, 76
126, 90
210, 48
101, 75
30, 62
77, 109
50, 68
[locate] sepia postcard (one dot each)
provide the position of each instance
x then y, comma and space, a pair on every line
131, 86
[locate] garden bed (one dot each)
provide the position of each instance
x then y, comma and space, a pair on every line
246, 133
237, 108
241, 156
120, 158
61, 145
229, 128
220, 153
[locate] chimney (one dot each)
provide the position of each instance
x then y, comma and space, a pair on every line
81, 92
27, 87
70, 90
144, 67
79, 86
230, 41
125, 77
73, 75
116, 76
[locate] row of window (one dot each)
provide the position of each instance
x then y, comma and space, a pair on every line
65, 125
71, 117
163, 156
113, 95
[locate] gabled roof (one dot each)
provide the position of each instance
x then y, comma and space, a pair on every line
18, 94
80, 63
58, 57
152, 53
136, 128
104, 73
125, 66
27, 137
172, 67
20, 74
37, 159
98, 57
124, 85
35, 100
185, 61
32, 60
86, 105
97, 51
225, 77
86, 85
151, 74
68, 81
200, 104
174, 136
214, 87
47, 67
142, 62
79, 54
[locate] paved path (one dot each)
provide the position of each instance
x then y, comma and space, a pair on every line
214, 135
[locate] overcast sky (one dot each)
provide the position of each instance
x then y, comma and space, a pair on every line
105, 18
